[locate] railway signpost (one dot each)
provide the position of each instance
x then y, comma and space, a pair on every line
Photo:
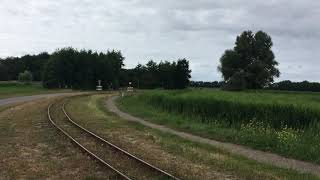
99, 87
130, 88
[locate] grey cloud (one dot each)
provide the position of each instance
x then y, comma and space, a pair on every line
199, 30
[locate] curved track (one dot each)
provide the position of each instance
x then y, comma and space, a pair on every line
155, 170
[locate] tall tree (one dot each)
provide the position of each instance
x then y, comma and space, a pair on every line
69, 67
182, 74
167, 75
251, 63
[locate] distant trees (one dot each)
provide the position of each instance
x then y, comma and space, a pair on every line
35, 64
203, 84
81, 69
25, 77
11, 67
251, 63
168, 75
295, 86
182, 74
71, 68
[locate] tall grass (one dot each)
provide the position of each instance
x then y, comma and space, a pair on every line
297, 111
281, 122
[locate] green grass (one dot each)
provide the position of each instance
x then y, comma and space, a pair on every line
284, 123
91, 112
9, 89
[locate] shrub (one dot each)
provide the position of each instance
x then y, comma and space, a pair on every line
25, 77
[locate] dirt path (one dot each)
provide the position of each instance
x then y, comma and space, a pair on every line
257, 155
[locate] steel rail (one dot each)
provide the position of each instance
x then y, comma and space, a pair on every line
116, 147
85, 149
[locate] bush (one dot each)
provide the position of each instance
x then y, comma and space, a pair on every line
25, 77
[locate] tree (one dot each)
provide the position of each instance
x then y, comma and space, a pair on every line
251, 63
50, 75
202, 84
182, 74
167, 75
35, 64
10, 67
25, 77
71, 68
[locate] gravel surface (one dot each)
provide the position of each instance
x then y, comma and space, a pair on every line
29, 98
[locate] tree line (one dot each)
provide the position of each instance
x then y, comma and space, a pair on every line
81, 69
250, 64
71, 68
10, 67
207, 84
285, 85
167, 75
295, 86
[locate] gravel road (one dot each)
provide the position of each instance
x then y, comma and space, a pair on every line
29, 98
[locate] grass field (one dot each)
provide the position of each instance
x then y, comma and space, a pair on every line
9, 89
282, 122
183, 158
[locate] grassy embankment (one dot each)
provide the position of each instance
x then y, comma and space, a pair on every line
281, 122
13, 89
180, 157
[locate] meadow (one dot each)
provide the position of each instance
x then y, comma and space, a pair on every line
287, 123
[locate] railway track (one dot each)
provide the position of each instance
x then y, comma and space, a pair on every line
119, 161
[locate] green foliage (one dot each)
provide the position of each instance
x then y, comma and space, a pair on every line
286, 123
204, 84
93, 107
236, 82
296, 86
11, 67
238, 108
165, 75
25, 77
182, 74
251, 63
71, 68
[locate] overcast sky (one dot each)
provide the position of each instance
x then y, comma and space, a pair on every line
199, 30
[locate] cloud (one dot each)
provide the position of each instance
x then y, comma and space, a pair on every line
199, 30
